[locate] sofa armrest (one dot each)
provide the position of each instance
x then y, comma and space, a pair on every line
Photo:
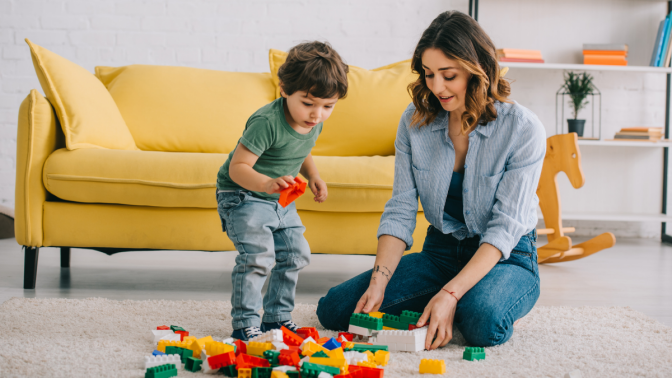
38, 135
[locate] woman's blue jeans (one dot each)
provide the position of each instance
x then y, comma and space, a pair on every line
484, 315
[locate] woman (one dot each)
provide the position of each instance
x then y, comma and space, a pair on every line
474, 158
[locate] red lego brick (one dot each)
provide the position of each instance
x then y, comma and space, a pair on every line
348, 336
245, 361
368, 372
293, 192
222, 360
182, 334
412, 327
307, 332
290, 338
323, 340
241, 347
355, 371
289, 357
164, 327
349, 375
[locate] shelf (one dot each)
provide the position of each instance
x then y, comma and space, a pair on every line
616, 217
623, 143
585, 67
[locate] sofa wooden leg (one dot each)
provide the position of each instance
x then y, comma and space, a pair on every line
65, 257
30, 267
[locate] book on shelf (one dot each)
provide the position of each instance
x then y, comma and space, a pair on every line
608, 54
519, 55
662, 52
652, 134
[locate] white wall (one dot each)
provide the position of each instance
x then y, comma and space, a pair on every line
236, 36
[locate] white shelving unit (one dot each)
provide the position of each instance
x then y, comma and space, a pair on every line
665, 144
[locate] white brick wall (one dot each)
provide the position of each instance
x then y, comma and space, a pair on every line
236, 36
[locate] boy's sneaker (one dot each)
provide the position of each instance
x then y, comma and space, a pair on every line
265, 327
246, 333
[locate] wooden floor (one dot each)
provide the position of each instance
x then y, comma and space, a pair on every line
635, 273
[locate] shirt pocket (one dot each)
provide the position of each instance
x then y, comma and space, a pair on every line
487, 187
423, 185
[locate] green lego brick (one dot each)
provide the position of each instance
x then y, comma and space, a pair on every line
177, 328
372, 348
309, 368
161, 371
261, 372
272, 356
292, 373
393, 321
366, 321
473, 353
193, 364
320, 354
409, 317
229, 371
182, 352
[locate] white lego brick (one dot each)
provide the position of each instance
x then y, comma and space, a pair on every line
574, 374
279, 345
284, 369
159, 333
173, 337
152, 361
205, 366
342, 339
229, 341
353, 357
324, 374
269, 336
357, 330
306, 341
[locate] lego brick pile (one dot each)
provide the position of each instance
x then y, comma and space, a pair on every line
281, 353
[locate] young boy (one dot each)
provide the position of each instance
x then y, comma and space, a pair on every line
274, 148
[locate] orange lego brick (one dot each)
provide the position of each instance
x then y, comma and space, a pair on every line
295, 191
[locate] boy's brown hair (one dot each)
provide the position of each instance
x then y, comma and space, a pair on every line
315, 68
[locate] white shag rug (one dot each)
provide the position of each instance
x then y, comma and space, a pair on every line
105, 338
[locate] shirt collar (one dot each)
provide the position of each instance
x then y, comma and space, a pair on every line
441, 122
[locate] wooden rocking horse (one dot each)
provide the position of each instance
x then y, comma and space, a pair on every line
562, 154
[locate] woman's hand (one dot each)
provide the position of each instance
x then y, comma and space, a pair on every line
319, 189
440, 311
372, 299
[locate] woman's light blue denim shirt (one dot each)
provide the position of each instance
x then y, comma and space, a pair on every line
501, 174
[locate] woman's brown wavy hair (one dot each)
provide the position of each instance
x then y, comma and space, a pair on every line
462, 39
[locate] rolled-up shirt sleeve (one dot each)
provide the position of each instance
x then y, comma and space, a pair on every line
399, 216
516, 192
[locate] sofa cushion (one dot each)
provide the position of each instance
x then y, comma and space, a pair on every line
365, 122
173, 179
89, 117
182, 109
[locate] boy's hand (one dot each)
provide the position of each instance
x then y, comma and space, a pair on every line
319, 189
278, 184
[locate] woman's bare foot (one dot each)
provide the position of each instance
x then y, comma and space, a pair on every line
516, 322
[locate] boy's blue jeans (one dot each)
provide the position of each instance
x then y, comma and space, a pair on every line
484, 315
264, 233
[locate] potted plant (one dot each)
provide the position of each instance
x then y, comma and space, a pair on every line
578, 87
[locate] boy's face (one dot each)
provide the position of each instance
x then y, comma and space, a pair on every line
303, 111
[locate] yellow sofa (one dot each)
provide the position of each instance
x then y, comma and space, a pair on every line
127, 159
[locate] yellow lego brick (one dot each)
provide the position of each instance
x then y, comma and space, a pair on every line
376, 314
164, 343
257, 349
197, 345
389, 329
190, 339
428, 366
348, 345
382, 357
370, 356
340, 363
365, 364
279, 374
311, 348
245, 373
336, 353
214, 348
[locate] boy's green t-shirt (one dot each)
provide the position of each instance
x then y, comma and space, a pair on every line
280, 148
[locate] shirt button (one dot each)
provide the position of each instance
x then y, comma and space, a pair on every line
465, 166
466, 190
468, 212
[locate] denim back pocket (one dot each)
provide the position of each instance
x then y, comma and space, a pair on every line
226, 201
